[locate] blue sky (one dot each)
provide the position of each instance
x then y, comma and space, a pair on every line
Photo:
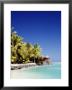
42, 27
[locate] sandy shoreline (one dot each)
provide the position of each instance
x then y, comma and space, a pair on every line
19, 66
37, 72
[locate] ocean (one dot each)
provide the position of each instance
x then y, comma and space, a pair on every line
52, 71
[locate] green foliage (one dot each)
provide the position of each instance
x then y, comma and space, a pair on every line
15, 39
22, 52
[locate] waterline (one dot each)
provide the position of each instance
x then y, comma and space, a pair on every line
52, 71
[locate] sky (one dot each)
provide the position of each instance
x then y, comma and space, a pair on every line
42, 27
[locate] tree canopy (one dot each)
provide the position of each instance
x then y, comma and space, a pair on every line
22, 52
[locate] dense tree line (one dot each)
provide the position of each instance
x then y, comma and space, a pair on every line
22, 52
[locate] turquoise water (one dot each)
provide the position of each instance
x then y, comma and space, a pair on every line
52, 71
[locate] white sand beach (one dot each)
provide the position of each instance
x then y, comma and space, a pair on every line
37, 72
19, 66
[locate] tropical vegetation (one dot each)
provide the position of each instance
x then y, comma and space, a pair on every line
23, 52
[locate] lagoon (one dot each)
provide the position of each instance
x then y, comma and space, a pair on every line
52, 71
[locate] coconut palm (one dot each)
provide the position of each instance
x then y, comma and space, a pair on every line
29, 48
15, 39
22, 52
36, 51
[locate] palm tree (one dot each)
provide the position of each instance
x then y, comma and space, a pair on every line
29, 49
36, 51
23, 51
15, 39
